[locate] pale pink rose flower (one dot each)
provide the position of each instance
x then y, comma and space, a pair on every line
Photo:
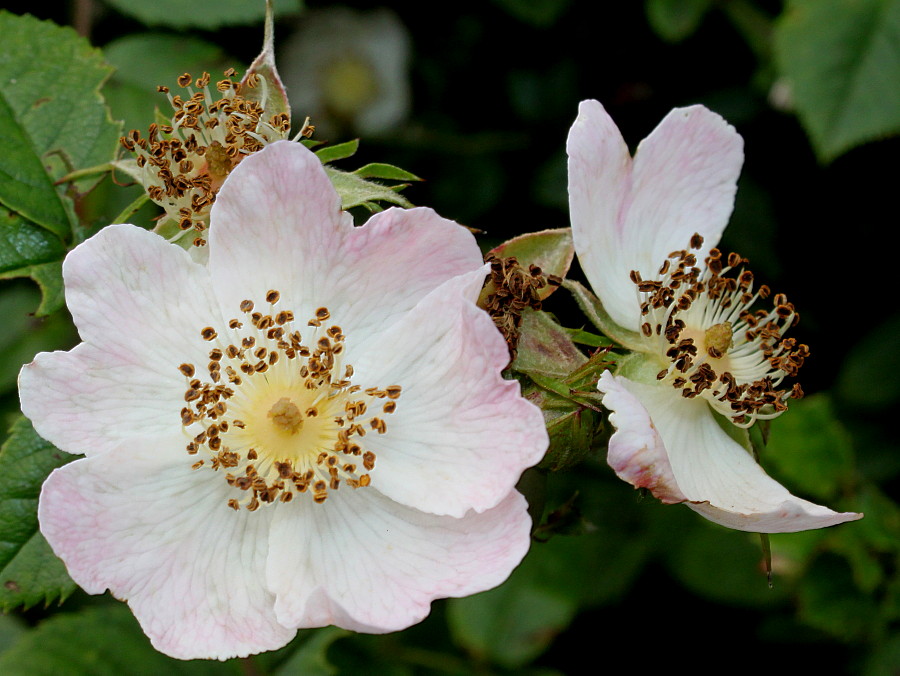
343, 452
702, 362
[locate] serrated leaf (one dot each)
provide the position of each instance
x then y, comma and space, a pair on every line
29, 572
206, 14
101, 641
842, 62
25, 186
338, 152
356, 191
385, 171
675, 20
56, 97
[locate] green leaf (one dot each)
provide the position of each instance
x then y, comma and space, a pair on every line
23, 335
25, 186
206, 14
861, 381
385, 171
810, 449
675, 20
100, 641
310, 658
29, 571
50, 281
831, 602
131, 91
551, 250
535, 12
23, 243
356, 191
338, 152
842, 62
51, 81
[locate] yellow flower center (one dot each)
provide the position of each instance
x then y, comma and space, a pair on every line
289, 420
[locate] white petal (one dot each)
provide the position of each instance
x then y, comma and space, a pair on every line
636, 451
365, 563
461, 435
139, 304
140, 522
277, 224
717, 476
629, 215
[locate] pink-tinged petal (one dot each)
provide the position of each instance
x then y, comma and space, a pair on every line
141, 523
629, 215
88, 400
461, 435
717, 476
636, 451
279, 206
363, 562
133, 294
139, 304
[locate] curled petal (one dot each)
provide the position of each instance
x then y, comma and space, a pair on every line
716, 476
630, 214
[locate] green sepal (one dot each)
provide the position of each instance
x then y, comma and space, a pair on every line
594, 311
356, 191
270, 92
341, 151
551, 250
29, 571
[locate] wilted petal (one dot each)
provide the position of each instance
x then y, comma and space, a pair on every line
717, 477
629, 215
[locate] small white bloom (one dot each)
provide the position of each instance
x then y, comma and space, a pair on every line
310, 429
643, 230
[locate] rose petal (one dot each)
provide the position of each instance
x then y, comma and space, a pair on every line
629, 215
279, 206
365, 563
139, 304
461, 435
717, 477
140, 522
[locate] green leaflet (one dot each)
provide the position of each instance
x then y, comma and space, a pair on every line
201, 13
29, 571
841, 61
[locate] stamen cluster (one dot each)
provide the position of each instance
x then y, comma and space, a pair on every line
511, 289
184, 163
289, 420
701, 319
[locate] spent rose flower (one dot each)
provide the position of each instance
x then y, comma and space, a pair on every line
704, 358
309, 429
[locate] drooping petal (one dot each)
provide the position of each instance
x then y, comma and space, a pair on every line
630, 214
457, 417
365, 563
140, 522
717, 477
139, 304
279, 206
